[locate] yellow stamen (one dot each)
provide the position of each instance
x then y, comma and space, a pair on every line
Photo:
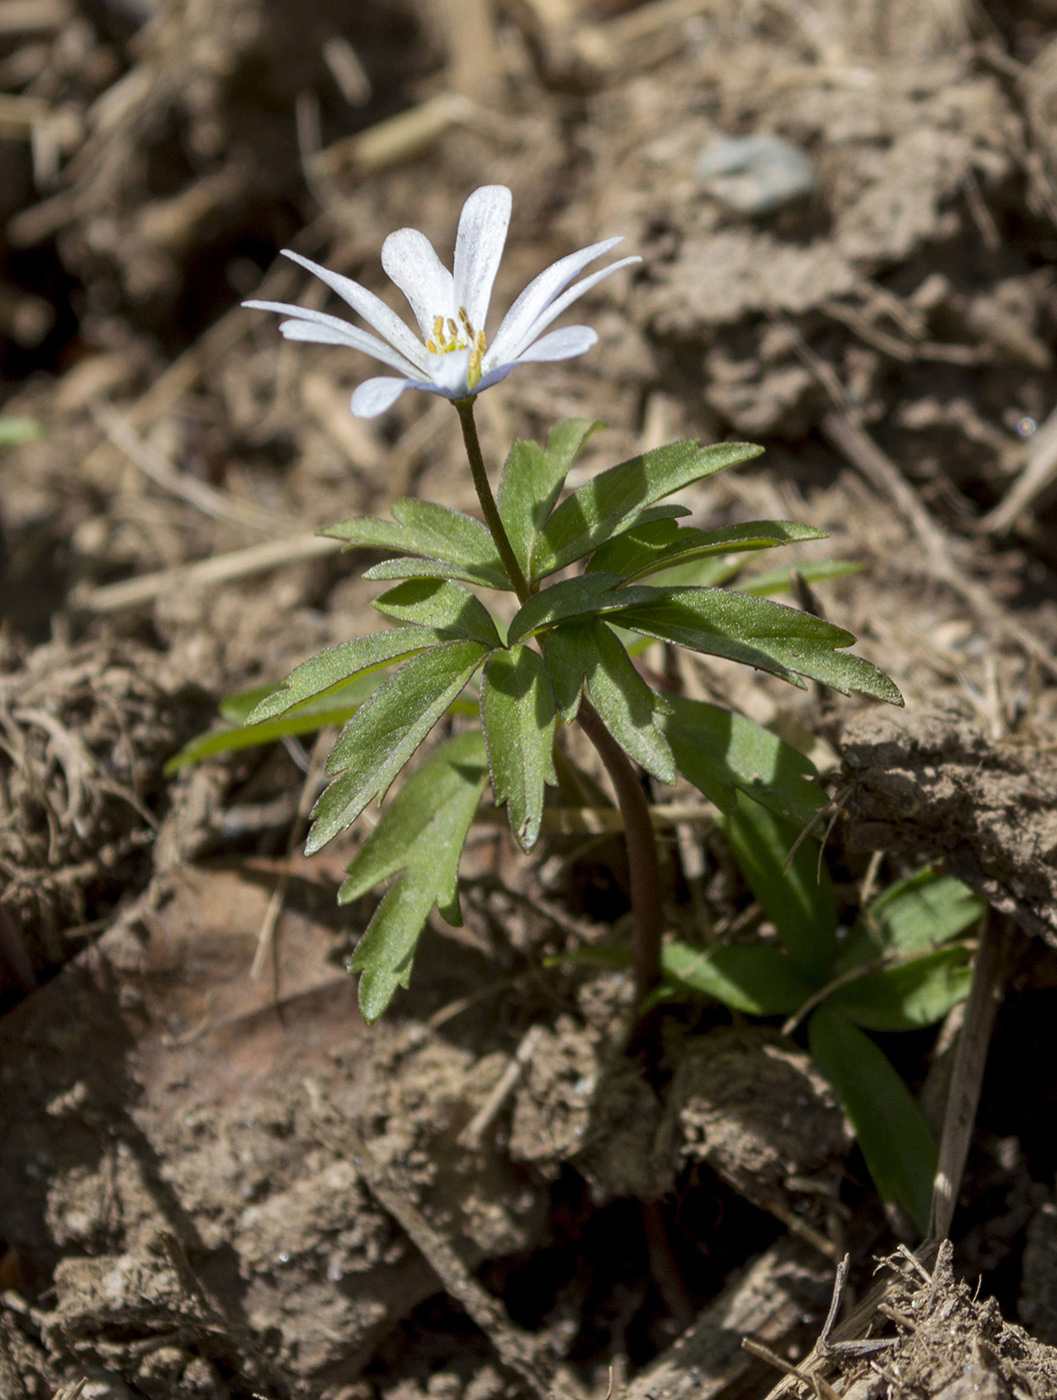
431, 346
453, 328
438, 328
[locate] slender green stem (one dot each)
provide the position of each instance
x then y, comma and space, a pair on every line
487, 500
643, 866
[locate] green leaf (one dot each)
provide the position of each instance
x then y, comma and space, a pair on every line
811, 571
337, 707
414, 567
386, 730
925, 910
646, 549
754, 979
317, 675
892, 1132
586, 595
433, 531
611, 501
532, 481
911, 915
627, 706
440, 604
518, 718
770, 636
15, 431
909, 996
720, 752
799, 901
421, 833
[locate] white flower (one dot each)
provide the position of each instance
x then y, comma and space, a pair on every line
453, 358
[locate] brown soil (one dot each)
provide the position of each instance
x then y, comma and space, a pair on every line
215, 1181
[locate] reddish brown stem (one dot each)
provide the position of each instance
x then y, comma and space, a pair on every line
643, 867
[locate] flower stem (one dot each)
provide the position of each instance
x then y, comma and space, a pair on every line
643, 866
487, 500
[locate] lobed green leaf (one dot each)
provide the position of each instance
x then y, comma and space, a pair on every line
436, 532
519, 720
586, 595
532, 481
648, 548
440, 604
891, 1129
413, 566
338, 664
627, 706
385, 731
769, 636
721, 752
611, 501
421, 833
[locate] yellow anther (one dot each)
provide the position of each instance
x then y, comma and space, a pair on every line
438, 328
480, 342
453, 328
431, 346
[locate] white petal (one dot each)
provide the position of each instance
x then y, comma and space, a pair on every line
375, 312
321, 329
561, 345
538, 295
479, 249
494, 376
449, 372
410, 261
566, 300
374, 396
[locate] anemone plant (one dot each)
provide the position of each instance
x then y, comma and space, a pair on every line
576, 564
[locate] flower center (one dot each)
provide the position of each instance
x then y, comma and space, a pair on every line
450, 335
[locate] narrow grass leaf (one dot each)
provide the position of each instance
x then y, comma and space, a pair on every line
894, 1137
755, 980
909, 996
811, 571
799, 900
337, 707
912, 915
